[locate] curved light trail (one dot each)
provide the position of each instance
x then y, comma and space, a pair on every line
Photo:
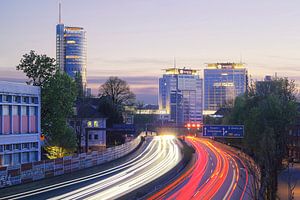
216, 174
161, 155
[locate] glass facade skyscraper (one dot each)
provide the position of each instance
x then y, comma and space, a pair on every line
222, 83
180, 95
71, 51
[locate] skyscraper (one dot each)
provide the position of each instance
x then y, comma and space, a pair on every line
180, 95
71, 50
222, 83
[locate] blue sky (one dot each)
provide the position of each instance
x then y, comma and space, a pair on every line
135, 39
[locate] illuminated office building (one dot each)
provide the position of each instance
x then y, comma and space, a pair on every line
71, 50
222, 83
180, 95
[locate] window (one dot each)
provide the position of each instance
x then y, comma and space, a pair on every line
24, 110
32, 111
96, 136
17, 146
34, 145
96, 124
33, 100
1, 149
5, 110
25, 146
14, 110
16, 158
24, 99
34, 156
90, 137
7, 147
89, 124
25, 157
16, 99
5, 98
7, 159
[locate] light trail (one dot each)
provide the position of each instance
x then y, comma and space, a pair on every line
160, 156
215, 175
163, 159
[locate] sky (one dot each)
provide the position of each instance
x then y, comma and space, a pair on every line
136, 39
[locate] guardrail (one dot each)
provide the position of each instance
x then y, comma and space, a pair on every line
18, 174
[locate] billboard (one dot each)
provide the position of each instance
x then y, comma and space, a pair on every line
230, 131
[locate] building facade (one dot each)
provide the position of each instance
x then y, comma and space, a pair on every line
180, 95
222, 83
20, 127
71, 53
89, 125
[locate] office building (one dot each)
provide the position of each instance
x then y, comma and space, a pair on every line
71, 50
222, 83
180, 95
20, 128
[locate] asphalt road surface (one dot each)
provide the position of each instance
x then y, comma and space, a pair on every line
160, 155
218, 173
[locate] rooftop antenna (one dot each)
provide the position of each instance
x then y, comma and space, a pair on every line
59, 14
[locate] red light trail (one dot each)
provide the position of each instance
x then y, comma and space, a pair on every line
216, 174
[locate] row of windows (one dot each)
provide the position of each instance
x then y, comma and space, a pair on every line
18, 158
18, 99
15, 110
19, 146
96, 137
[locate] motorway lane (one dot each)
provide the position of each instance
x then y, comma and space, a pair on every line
160, 155
217, 174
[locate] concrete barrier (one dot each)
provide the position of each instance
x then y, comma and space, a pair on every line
14, 175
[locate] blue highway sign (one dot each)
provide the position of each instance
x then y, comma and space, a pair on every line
233, 131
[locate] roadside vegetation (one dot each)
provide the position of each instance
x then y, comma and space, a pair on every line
267, 111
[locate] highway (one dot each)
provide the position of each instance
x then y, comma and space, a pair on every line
160, 155
218, 173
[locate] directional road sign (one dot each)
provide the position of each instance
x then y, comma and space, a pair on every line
233, 131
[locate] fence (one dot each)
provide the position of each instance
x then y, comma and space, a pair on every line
13, 175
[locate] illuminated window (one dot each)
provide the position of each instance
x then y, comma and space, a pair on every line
72, 57
71, 42
89, 124
96, 124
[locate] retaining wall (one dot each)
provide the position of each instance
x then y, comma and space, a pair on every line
13, 175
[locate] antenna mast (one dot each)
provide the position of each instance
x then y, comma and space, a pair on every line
59, 15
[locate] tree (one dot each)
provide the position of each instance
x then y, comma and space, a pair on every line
38, 68
58, 96
79, 85
267, 111
118, 90
65, 144
113, 114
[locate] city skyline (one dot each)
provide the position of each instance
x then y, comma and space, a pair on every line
136, 39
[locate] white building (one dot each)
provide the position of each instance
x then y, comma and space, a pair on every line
89, 125
20, 129
180, 95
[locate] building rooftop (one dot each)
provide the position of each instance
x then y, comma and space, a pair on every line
21, 88
227, 65
88, 108
175, 71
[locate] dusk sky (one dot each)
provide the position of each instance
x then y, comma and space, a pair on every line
136, 39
